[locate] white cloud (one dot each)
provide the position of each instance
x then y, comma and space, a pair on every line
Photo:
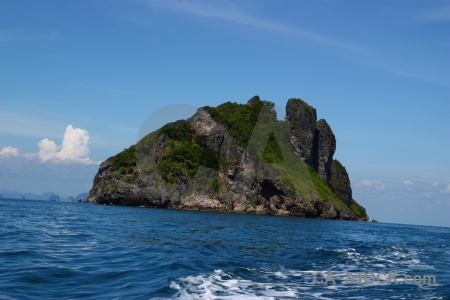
74, 147
408, 182
65, 169
47, 149
423, 189
9, 151
372, 184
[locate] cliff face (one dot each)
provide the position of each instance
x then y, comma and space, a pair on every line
302, 122
321, 145
340, 183
324, 147
234, 158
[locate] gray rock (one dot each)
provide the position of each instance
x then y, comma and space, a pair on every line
302, 122
340, 183
324, 148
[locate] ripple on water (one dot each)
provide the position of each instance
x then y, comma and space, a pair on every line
51, 250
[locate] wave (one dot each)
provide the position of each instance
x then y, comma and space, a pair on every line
273, 283
226, 285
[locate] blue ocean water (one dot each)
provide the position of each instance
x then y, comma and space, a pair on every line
55, 250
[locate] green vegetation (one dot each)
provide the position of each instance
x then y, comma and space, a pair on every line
112, 187
324, 190
215, 186
180, 130
240, 118
268, 142
335, 182
272, 152
306, 107
223, 163
337, 164
185, 153
250, 202
358, 209
125, 161
129, 179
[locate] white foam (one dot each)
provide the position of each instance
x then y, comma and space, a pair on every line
292, 284
351, 253
280, 275
221, 285
346, 250
279, 283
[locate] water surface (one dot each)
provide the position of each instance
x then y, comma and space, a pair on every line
56, 250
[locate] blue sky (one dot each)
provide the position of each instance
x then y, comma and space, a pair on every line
377, 71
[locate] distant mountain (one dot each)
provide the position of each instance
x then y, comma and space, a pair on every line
45, 196
11, 194
81, 197
19, 195
54, 198
33, 196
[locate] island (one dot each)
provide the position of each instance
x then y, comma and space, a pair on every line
236, 158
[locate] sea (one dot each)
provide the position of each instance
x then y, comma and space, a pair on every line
60, 250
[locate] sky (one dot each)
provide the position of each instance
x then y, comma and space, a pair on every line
81, 80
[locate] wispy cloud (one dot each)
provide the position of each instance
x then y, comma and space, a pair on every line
419, 76
25, 35
437, 14
423, 189
372, 184
406, 189
382, 65
407, 201
230, 12
21, 124
407, 182
122, 91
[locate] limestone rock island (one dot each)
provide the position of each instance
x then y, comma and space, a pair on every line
234, 158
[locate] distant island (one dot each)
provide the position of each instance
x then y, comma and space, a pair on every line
234, 158
4, 193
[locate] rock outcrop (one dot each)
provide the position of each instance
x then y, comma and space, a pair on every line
324, 148
234, 158
302, 122
315, 144
340, 183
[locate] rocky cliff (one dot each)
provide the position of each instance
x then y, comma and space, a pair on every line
234, 158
